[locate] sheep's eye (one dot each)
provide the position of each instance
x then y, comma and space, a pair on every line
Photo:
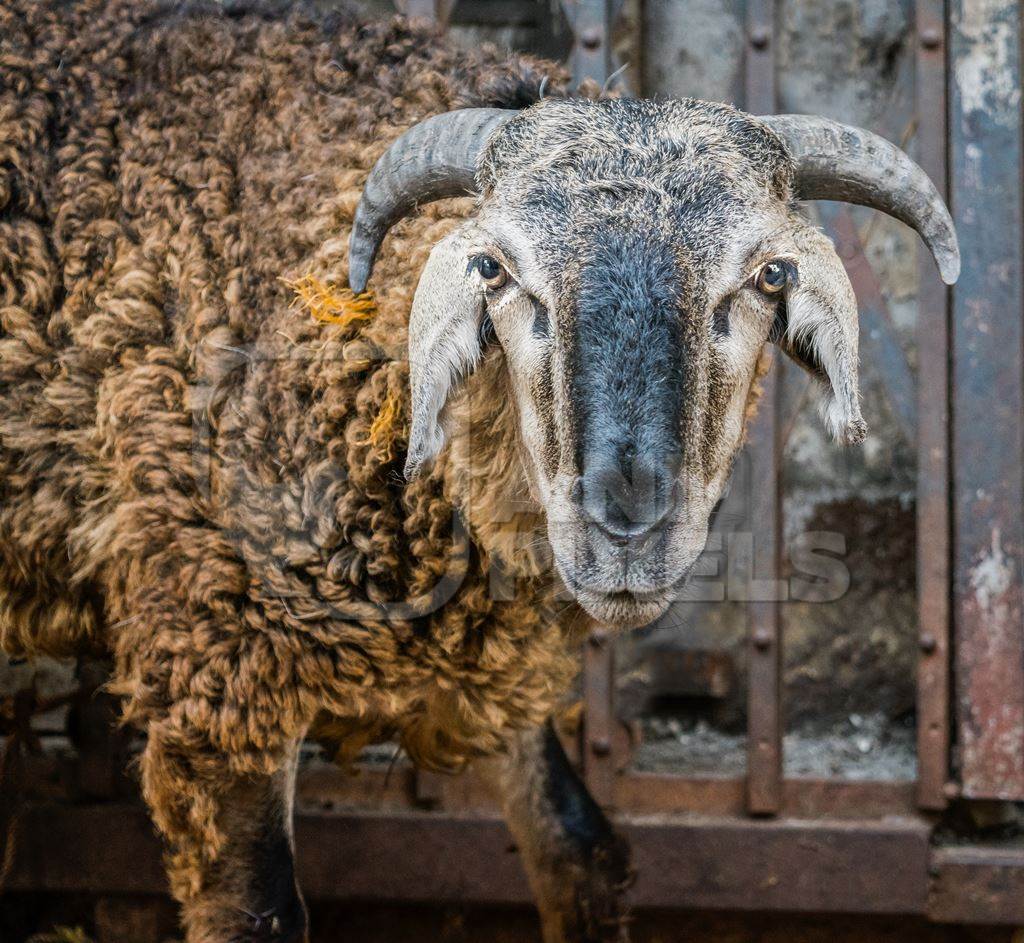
772, 278
491, 271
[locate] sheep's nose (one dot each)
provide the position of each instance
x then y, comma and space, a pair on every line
626, 496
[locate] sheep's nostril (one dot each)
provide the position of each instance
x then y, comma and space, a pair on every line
625, 503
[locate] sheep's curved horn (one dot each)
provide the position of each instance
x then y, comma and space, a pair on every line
434, 159
838, 162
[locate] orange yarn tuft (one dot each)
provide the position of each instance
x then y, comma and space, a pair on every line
383, 429
329, 304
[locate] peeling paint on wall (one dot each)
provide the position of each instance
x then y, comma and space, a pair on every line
985, 73
991, 579
988, 397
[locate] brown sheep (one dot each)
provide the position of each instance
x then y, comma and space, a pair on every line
161, 171
204, 477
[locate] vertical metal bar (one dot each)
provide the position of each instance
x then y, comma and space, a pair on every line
429, 788
764, 703
591, 23
988, 395
933, 518
598, 753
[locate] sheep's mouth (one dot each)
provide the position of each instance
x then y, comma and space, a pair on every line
623, 609
619, 608
620, 586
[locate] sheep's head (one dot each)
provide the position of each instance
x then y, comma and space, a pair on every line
631, 259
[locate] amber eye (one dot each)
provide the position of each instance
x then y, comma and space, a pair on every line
491, 271
772, 278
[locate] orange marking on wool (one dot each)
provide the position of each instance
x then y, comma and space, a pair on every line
384, 428
330, 304
340, 306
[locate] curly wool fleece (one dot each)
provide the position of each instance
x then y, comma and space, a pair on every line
194, 472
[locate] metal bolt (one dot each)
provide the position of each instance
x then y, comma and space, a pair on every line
760, 37
931, 38
928, 643
601, 746
590, 39
598, 638
762, 640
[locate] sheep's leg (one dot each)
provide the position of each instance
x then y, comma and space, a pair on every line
246, 892
577, 866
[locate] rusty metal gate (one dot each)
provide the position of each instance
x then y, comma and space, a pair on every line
722, 841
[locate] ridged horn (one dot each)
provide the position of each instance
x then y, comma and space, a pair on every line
850, 165
434, 159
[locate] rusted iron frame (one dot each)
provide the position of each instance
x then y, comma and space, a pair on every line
438, 857
987, 341
764, 700
667, 794
933, 519
382, 786
784, 865
598, 748
983, 885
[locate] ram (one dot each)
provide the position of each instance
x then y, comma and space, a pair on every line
285, 518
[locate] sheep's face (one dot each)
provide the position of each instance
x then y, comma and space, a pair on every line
631, 260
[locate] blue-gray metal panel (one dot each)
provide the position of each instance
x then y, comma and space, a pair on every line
988, 395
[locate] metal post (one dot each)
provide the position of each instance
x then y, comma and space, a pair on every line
933, 523
591, 23
988, 395
764, 707
598, 753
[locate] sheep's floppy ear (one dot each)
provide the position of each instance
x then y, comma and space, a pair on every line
816, 326
444, 342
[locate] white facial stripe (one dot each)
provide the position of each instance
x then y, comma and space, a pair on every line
750, 319
512, 314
